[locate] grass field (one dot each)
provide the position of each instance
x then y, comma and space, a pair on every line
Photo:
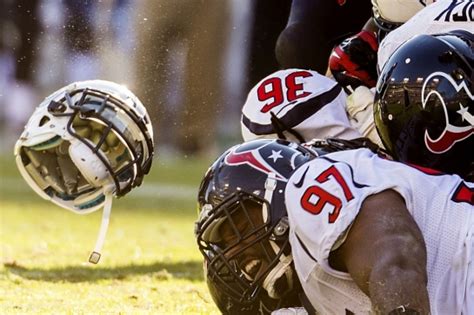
150, 263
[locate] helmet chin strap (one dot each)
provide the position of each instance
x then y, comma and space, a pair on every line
282, 268
95, 255
270, 185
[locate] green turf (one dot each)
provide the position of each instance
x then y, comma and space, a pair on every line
150, 262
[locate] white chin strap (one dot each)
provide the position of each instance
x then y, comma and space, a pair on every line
270, 186
282, 268
95, 255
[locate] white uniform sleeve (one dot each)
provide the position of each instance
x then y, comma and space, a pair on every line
360, 108
290, 311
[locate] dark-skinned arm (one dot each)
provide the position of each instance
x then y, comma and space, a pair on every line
370, 26
385, 254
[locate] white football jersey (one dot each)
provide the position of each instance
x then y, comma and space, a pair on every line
439, 17
323, 198
311, 104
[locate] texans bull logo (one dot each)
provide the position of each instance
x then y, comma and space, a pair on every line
451, 133
262, 158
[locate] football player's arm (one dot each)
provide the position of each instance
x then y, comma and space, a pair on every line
370, 26
386, 255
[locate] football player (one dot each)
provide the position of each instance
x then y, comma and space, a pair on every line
280, 105
83, 145
367, 234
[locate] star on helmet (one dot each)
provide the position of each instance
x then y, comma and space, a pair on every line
275, 155
464, 112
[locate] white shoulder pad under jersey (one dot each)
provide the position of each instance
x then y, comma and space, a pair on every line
324, 196
311, 104
439, 17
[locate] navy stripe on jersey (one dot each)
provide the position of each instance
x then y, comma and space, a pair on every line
298, 114
356, 184
305, 248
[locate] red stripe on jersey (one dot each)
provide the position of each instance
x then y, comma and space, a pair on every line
464, 194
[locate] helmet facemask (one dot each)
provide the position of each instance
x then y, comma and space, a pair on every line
244, 250
112, 134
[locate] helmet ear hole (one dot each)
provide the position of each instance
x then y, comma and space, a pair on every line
88, 163
44, 120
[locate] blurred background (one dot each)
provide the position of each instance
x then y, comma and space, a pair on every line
191, 62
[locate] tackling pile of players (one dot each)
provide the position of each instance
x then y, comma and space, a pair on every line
379, 220
352, 193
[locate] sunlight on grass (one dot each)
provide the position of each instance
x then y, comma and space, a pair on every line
150, 262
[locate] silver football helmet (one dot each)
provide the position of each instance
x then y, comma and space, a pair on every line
85, 143
390, 14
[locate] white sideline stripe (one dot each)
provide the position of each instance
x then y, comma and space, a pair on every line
148, 190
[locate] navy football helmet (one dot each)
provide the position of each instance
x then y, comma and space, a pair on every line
424, 102
242, 230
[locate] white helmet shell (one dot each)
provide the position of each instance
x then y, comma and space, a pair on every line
84, 140
397, 11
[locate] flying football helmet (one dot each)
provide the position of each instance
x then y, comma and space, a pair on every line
242, 229
424, 102
390, 14
85, 143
